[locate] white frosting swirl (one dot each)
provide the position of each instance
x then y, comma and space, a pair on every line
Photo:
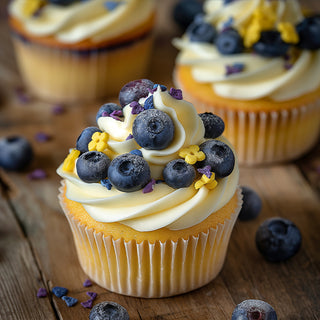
164, 206
84, 19
261, 77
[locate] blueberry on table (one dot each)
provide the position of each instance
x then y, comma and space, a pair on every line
62, 2
270, 44
254, 310
278, 239
201, 31
213, 124
251, 205
108, 310
153, 129
309, 33
134, 90
229, 42
179, 174
92, 166
15, 153
184, 12
219, 157
85, 137
129, 172
107, 109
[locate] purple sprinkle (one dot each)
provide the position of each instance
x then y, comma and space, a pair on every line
136, 107
163, 88
70, 301
153, 90
59, 291
116, 114
92, 295
42, 292
148, 104
37, 174
235, 68
288, 65
58, 109
176, 93
22, 96
87, 304
87, 283
129, 137
149, 187
105, 114
42, 137
205, 170
106, 183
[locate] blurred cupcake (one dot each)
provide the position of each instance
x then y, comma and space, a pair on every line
151, 194
257, 65
71, 51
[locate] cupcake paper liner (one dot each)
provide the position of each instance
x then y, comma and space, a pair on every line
152, 270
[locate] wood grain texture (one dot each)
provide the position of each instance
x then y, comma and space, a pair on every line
36, 245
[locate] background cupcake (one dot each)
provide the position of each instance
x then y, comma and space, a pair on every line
70, 50
256, 64
151, 195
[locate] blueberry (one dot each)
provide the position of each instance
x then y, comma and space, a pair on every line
225, 2
153, 129
134, 90
254, 310
201, 31
108, 310
85, 137
184, 12
16, 153
179, 174
62, 2
92, 166
270, 44
219, 157
278, 239
251, 205
229, 42
107, 108
214, 125
309, 33
129, 172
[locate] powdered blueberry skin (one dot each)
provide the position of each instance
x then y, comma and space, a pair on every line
201, 31
179, 174
219, 157
271, 45
85, 137
153, 129
251, 206
92, 166
107, 108
108, 310
213, 124
309, 33
129, 172
278, 239
229, 42
134, 90
16, 153
254, 310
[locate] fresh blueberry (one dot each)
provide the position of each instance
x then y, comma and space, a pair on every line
134, 90
278, 239
92, 166
85, 137
179, 174
309, 33
225, 2
16, 153
254, 310
59, 291
108, 310
153, 129
219, 157
62, 2
251, 205
107, 108
229, 42
129, 172
270, 44
214, 125
201, 31
184, 12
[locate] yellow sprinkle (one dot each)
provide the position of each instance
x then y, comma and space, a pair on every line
210, 183
288, 32
192, 154
31, 6
69, 162
99, 141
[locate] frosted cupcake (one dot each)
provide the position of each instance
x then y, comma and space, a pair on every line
71, 51
256, 64
151, 194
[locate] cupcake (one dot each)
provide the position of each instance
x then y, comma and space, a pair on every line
74, 51
256, 64
151, 194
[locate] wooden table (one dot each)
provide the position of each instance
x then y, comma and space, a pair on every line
36, 245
